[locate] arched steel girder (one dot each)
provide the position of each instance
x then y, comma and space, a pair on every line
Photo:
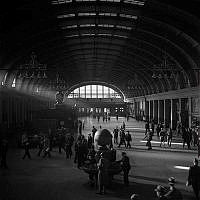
130, 71
180, 19
124, 61
76, 54
145, 80
56, 52
122, 64
179, 50
141, 40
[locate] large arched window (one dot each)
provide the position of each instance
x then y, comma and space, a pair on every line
94, 91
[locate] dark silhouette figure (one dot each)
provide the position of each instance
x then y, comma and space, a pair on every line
3, 151
125, 163
194, 178
26, 149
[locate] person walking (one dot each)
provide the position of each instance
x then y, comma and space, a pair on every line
162, 137
124, 125
146, 127
46, 147
122, 137
184, 136
194, 178
158, 129
149, 136
125, 164
116, 132
128, 139
26, 149
41, 145
89, 141
94, 130
173, 193
169, 137
60, 142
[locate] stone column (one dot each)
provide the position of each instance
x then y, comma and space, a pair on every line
149, 110
161, 111
153, 109
1, 111
158, 111
171, 113
164, 111
190, 111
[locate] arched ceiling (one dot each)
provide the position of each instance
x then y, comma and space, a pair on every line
120, 42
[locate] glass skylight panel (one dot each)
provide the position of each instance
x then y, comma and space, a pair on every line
108, 14
104, 34
124, 27
128, 16
88, 34
86, 14
84, 0
69, 27
106, 25
66, 16
55, 2
120, 36
116, 1
71, 36
87, 25
135, 2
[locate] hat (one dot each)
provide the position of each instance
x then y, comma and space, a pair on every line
171, 180
160, 189
123, 153
135, 196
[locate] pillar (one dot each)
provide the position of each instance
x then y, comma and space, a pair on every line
155, 111
190, 111
164, 111
151, 110
171, 113
147, 110
161, 111
1, 107
158, 111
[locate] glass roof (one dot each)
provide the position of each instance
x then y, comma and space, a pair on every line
135, 2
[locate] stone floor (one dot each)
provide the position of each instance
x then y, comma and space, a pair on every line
56, 178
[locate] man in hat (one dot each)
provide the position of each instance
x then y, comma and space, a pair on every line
160, 191
173, 193
194, 178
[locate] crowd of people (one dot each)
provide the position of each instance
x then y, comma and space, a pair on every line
165, 134
99, 162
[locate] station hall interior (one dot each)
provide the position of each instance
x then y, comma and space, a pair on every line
66, 61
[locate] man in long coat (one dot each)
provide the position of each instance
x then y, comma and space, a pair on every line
103, 166
194, 178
